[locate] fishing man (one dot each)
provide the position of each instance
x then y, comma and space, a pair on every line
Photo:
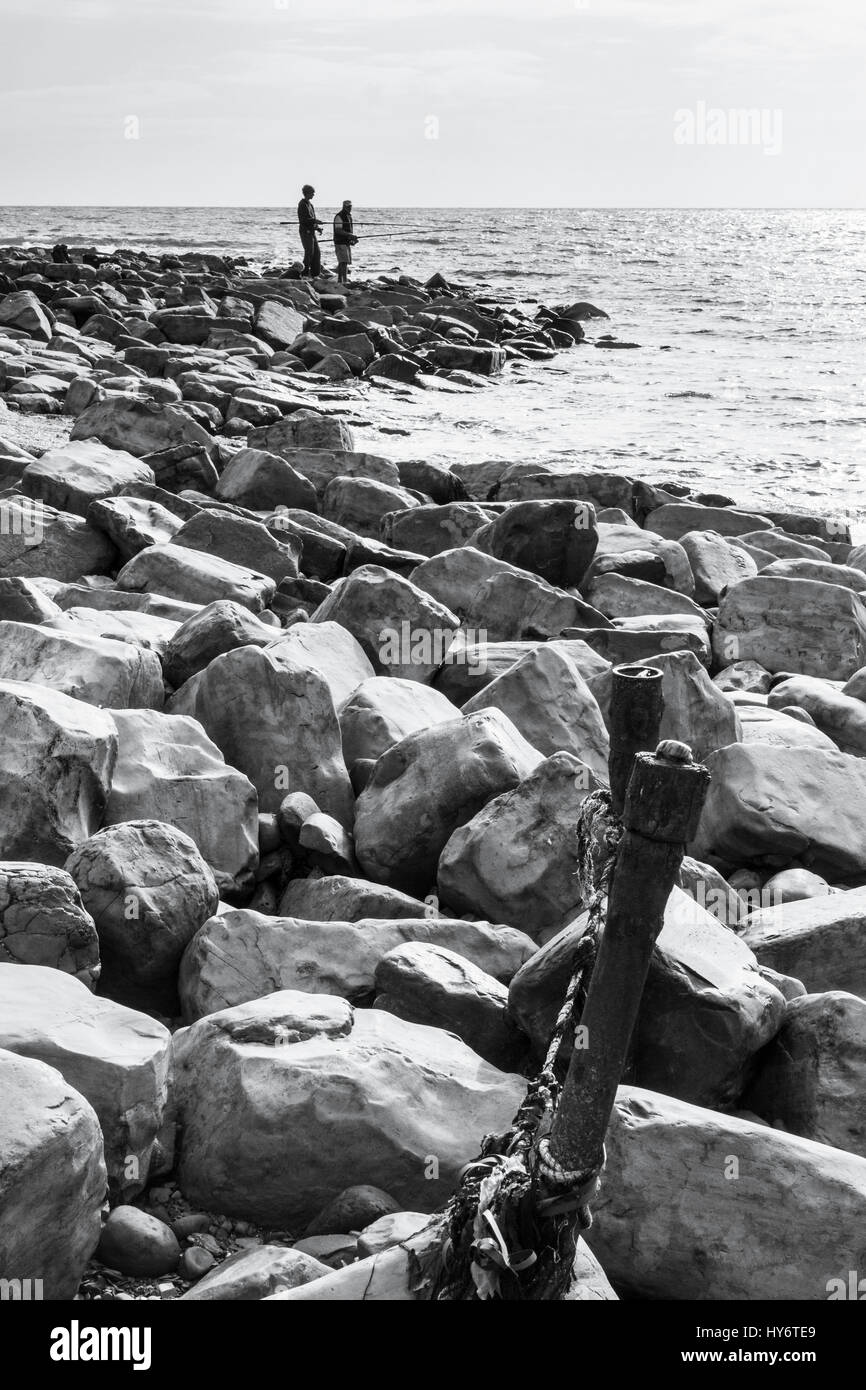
344, 240
308, 227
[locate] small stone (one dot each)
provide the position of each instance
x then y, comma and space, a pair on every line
195, 1262
195, 1223
335, 1250
136, 1243
353, 1209
207, 1242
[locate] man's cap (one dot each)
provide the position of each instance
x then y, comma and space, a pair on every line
308, 189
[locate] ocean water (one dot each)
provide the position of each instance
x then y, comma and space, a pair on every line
750, 377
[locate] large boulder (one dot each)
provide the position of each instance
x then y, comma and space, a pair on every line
499, 600
792, 625
424, 982
549, 702
194, 577
141, 426
427, 785
73, 476
699, 1206
554, 539
42, 542
471, 666
402, 630
778, 728
52, 1178
674, 520
361, 503
775, 804
24, 601
169, 770
148, 890
23, 310
810, 1080
515, 860
624, 549
305, 430
133, 523
289, 742
705, 1011
338, 898
262, 481
715, 564
429, 530
619, 596
241, 542
694, 710
821, 941
256, 1273
390, 1276
331, 651
630, 640
139, 629
277, 323
320, 466
242, 955
57, 756
287, 1100
116, 1058
382, 710
44, 922
217, 628
95, 670
841, 717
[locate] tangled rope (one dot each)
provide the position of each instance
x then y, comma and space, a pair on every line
510, 1224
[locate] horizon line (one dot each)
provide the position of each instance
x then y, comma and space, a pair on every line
469, 207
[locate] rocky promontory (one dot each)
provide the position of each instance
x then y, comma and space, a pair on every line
294, 741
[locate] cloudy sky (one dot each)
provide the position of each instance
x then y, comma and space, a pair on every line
433, 102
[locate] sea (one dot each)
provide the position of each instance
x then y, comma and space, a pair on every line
749, 374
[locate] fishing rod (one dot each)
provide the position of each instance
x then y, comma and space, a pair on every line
412, 228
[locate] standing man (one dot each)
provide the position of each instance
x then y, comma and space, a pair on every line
344, 240
308, 226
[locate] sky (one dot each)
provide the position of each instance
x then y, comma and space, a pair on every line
564, 103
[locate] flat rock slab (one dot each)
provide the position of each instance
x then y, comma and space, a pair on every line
81, 472
194, 577
676, 1220
97, 670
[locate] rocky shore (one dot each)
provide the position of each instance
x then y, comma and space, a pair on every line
294, 740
